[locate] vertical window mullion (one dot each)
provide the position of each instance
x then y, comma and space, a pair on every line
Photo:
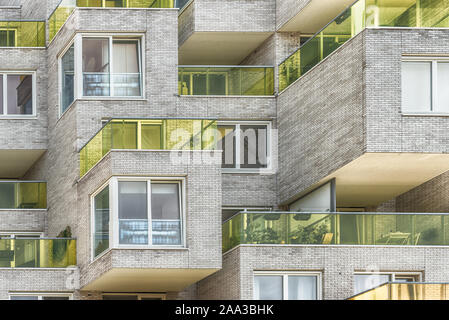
78, 77
111, 88
150, 220
285, 287
433, 86
5, 94
237, 146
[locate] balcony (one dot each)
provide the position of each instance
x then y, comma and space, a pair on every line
362, 14
65, 8
300, 228
406, 291
148, 134
23, 195
22, 33
37, 253
226, 80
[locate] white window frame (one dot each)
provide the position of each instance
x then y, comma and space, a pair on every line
284, 275
237, 156
162, 296
77, 41
114, 214
433, 85
392, 274
5, 114
15, 234
40, 295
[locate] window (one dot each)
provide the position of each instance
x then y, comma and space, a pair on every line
111, 67
287, 286
101, 66
101, 221
366, 281
131, 296
8, 37
246, 146
17, 94
424, 84
34, 296
67, 67
148, 212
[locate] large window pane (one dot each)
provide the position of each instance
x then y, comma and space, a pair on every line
125, 68
302, 287
1, 94
7, 196
96, 67
416, 86
363, 282
253, 144
165, 214
101, 236
67, 78
268, 288
20, 94
133, 212
443, 85
227, 144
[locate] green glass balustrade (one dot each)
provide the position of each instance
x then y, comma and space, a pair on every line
406, 291
337, 229
59, 16
23, 195
154, 134
362, 14
37, 253
22, 33
226, 81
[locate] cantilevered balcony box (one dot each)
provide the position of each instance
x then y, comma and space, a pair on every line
23, 205
150, 216
23, 108
348, 108
223, 32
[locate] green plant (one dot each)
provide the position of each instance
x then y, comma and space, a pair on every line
308, 235
66, 233
264, 236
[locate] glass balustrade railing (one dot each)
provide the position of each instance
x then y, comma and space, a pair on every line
336, 229
23, 195
406, 291
37, 253
22, 33
226, 80
149, 134
362, 14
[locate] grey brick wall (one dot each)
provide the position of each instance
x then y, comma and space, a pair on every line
336, 263
36, 281
23, 220
26, 133
321, 120
287, 9
203, 213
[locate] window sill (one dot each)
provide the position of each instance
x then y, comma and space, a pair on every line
425, 114
100, 98
248, 171
30, 117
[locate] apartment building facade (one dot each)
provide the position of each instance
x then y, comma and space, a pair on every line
205, 149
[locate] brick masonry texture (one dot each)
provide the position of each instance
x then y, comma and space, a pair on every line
203, 212
347, 105
287, 9
321, 120
23, 220
336, 263
26, 133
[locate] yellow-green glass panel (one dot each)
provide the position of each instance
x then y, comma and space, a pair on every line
406, 291
22, 33
223, 81
23, 195
37, 253
152, 136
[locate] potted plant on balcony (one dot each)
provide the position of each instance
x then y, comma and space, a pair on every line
309, 235
60, 248
264, 236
